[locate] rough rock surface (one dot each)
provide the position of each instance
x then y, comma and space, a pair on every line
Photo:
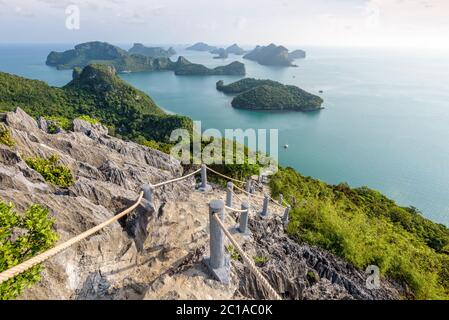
157, 251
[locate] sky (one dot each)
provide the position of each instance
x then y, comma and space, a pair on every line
378, 23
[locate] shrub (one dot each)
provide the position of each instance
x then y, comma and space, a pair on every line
5, 136
88, 119
234, 254
260, 260
52, 172
53, 123
22, 237
366, 228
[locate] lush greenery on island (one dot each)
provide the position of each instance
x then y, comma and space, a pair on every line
273, 55
269, 95
153, 52
185, 67
104, 53
96, 91
23, 236
366, 228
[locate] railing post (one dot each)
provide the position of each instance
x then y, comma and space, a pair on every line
248, 185
147, 193
286, 217
217, 262
229, 194
281, 199
264, 212
204, 187
243, 227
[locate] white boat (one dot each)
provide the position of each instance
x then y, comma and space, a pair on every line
286, 146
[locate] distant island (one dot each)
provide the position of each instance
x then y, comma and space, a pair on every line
153, 52
221, 53
201, 46
274, 55
104, 53
235, 49
256, 94
185, 67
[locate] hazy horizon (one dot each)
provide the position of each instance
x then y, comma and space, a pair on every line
328, 23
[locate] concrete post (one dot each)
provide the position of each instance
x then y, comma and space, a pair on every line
285, 218
229, 194
243, 227
248, 186
281, 199
147, 193
217, 249
204, 187
217, 263
264, 212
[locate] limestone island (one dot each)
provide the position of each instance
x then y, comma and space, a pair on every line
235, 49
221, 53
153, 52
185, 67
274, 55
256, 94
125, 62
201, 46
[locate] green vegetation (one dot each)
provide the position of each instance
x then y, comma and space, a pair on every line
234, 254
22, 237
366, 228
98, 92
52, 172
271, 55
163, 147
269, 95
139, 58
104, 53
260, 260
185, 67
5, 136
154, 52
312, 276
56, 122
88, 119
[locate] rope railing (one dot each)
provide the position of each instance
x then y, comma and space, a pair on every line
146, 195
252, 267
174, 180
224, 176
28, 264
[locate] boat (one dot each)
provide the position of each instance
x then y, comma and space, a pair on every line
286, 146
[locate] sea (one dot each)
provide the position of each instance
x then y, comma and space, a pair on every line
385, 122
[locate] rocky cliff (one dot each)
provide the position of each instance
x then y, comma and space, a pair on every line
153, 254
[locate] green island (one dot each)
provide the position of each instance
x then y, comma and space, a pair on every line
201, 46
185, 67
153, 52
256, 94
104, 53
273, 55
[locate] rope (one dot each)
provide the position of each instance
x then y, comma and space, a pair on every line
22, 267
174, 180
224, 176
249, 194
252, 267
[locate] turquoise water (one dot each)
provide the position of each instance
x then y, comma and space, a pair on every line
386, 122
